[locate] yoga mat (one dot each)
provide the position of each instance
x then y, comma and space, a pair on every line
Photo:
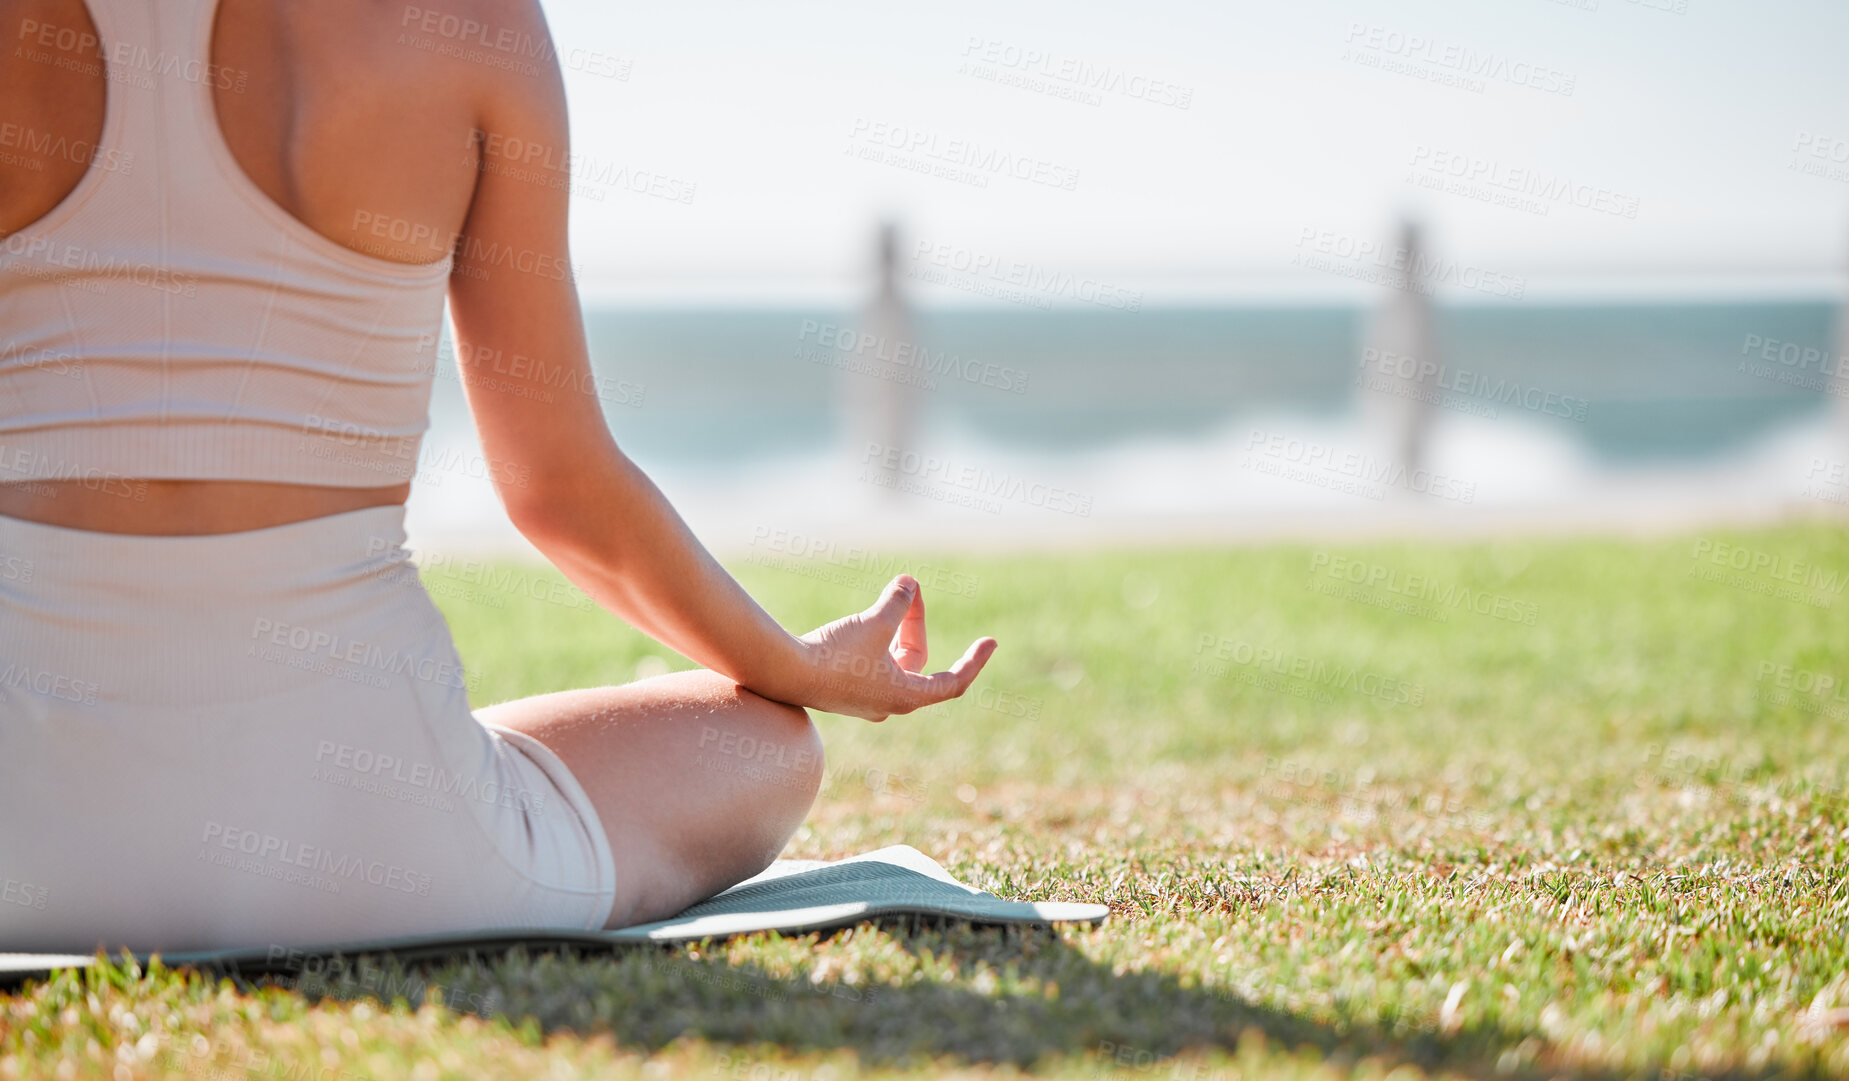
790, 896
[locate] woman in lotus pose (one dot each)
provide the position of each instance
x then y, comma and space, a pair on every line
230, 716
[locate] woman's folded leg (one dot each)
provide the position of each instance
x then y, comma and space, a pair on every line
698, 782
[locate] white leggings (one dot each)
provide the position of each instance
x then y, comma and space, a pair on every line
261, 739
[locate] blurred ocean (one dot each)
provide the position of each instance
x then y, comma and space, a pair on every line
1076, 425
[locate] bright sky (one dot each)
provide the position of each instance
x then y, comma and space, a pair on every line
1309, 124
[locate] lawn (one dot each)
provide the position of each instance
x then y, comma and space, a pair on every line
1536, 808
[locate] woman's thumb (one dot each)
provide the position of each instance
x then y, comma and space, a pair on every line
889, 611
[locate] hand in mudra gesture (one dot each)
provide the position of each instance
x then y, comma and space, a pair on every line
871, 664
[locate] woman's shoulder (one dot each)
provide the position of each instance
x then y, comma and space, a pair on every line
464, 40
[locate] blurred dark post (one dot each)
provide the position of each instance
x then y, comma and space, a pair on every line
882, 389
1399, 360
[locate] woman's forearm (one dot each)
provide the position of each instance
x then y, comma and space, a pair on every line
615, 535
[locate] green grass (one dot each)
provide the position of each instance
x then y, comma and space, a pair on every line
1609, 842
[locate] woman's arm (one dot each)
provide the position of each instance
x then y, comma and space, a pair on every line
570, 490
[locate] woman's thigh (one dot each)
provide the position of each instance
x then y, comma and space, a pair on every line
698, 782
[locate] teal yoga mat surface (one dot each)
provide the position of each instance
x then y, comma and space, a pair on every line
791, 896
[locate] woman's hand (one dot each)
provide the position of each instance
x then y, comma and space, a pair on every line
871, 664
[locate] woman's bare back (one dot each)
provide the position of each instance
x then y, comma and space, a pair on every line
338, 111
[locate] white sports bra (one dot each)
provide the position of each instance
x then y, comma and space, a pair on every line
168, 320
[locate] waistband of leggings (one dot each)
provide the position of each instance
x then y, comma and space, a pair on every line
301, 554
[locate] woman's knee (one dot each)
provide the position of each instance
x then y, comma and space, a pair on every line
772, 755
790, 749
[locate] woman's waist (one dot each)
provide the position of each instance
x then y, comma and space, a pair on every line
121, 451
91, 617
55, 570
172, 508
